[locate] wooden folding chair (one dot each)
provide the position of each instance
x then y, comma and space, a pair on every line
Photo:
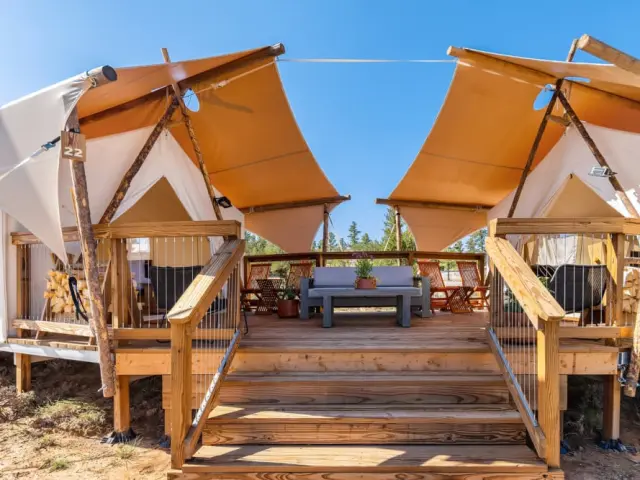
298, 271
471, 280
268, 295
453, 297
257, 271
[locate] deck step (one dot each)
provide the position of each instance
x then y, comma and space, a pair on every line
363, 424
415, 462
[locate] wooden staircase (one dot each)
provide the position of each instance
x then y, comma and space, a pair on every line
279, 423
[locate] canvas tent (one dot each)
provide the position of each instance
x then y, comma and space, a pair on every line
476, 150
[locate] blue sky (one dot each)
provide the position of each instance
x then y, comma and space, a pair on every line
364, 122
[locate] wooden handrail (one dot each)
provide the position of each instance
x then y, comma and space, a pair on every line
506, 226
198, 296
378, 255
214, 228
532, 295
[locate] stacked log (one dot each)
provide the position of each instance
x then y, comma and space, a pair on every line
58, 293
631, 290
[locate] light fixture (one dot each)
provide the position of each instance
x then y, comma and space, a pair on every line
603, 172
224, 202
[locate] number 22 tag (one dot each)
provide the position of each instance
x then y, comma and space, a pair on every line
73, 146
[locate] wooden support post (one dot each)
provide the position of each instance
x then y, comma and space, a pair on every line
121, 405
611, 408
398, 231
615, 266
90, 258
634, 365
23, 372
23, 274
167, 422
181, 336
118, 308
548, 346
597, 154
194, 141
325, 235
538, 138
135, 167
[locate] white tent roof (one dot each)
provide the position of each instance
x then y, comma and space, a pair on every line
565, 172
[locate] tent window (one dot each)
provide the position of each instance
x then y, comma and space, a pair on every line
139, 249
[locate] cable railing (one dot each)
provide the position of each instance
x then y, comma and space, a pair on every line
199, 364
524, 336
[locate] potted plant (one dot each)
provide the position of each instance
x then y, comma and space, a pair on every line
288, 303
364, 268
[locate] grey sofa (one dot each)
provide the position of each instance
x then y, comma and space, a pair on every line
335, 277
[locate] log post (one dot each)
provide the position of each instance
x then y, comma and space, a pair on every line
181, 338
611, 408
23, 372
609, 54
615, 266
398, 231
125, 183
538, 138
548, 369
634, 365
23, 273
325, 235
597, 154
89, 255
121, 405
194, 141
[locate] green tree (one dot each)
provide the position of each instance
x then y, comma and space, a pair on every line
333, 242
354, 235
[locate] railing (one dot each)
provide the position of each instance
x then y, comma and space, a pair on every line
588, 265
524, 336
199, 366
143, 268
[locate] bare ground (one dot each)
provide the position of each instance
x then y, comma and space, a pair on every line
55, 431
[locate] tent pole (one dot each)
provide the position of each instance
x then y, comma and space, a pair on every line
194, 141
398, 231
80, 196
597, 154
325, 235
538, 138
609, 54
125, 183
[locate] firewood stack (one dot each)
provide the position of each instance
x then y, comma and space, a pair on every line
631, 290
58, 294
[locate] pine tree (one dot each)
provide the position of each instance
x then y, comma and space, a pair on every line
354, 235
333, 242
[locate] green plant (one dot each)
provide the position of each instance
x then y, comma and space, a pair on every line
287, 294
364, 266
56, 464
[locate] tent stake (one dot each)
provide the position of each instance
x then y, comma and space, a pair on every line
194, 141
80, 196
125, 183
538, 139
597, 154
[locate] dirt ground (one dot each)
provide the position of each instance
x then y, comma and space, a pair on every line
55, 431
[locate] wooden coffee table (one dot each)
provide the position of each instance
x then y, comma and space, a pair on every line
403, 300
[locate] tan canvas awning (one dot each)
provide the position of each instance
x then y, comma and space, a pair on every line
253, 149
480, 141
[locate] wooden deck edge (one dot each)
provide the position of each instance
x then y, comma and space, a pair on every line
551, 475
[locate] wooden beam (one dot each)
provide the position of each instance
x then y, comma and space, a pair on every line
609, 54
78, 330
298, 204
216, 72
121, 405
398, 219
615, 265
325, 235
506, 226
611, 408
538, 138
597, 154
177, 91
530, 75
532, 295
548, 370
125, 183
437, 205
23, 372
180, 389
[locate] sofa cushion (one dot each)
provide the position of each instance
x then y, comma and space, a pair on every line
346, 276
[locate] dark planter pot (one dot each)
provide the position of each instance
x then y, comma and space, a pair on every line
288, 308
365, 283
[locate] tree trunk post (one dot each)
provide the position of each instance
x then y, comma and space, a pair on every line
398, 231
89, 255
325, 234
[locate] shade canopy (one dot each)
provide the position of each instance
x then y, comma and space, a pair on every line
253, 149
480, 141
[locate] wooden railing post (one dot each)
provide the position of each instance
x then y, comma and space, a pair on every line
548, 352
181, 336
615, 266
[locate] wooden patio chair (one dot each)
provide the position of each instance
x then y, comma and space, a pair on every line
268, 295
478, 294
453, 299
257, 271
298, 271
